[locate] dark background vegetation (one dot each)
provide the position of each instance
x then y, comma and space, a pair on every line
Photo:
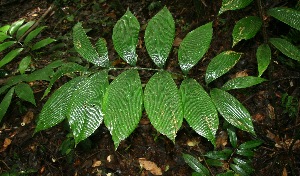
43, 154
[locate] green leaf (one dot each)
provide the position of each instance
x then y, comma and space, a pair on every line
286, 48
23, 29
33, 34
263, 55
250, 144
243, 165
221, 64
125, 37
4, 29
199, 110
194, 46
12, 81
3, 36
195, 164
55, 109
221, 155
242, 82
159, 36
24, 64
15, 26
10, 56
238, 170
70, 67
214, 162
232, 110
163, 104
84, 46
42, 43
286, 15
102, 51
6, 102
5, 45
122, 105
85, 106
232, 136
246, 28
228, 173
25, 92
245, 152
233, 5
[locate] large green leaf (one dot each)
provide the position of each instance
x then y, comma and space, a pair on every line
25, 92
12, 81
42, 43
233, 5
286, 48
195, 164
55, 109
263, 56
122, 105
70, 67
6, 102
10, 56
23, 29
15, 26
242, 82
250, 144
286, 15
159, 36
194, 46
220, 155
102, 51
198, 109
244, 165
84, 46
246, 28
163, 104
85, 106
24, 64
3, 36
232, 110
125, 37
4, 28
221, 64
5, 45
33, 34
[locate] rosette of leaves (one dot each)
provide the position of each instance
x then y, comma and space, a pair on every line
88, 100
20, 38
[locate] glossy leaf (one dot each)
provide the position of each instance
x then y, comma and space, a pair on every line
55, 109
221, 155
214, 162
250, 144
286, 48
163, 104
246, 28
227, 173
10, 56
244, 165
195, 164
6, 102
194, 46
122, 105
159, 36
4, 28
263, 56
84, 46
125, 37
232, 110
33, 34
12, 81
64, 69
199, 110
24, 64
21, 31
15, 26
286, 15
242, 82
102, 51
25, 92
233, 5
237, 169
221, 64
245, 152
3, 37
5, 45
42, 43
85, 106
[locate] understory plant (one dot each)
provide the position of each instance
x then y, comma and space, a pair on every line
15, 39
89, 99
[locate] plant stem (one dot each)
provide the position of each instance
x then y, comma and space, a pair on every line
261, 13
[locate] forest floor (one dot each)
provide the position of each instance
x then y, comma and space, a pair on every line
42, 153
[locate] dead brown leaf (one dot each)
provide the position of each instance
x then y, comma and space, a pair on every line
6, 143
221, 141
284, 172
96, 163
27, 118
177, 41
240, 74
150, 166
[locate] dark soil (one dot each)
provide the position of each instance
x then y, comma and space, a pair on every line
41, 154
